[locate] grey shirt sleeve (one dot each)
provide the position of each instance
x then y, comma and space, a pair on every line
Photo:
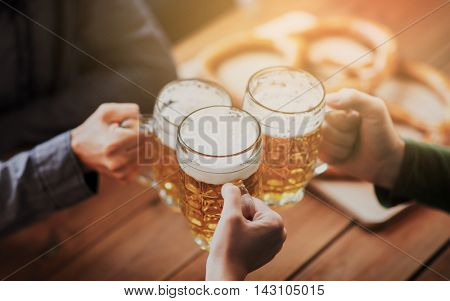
122, 56
37, 182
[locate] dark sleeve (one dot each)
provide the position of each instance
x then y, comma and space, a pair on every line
424, 176
123, 57
37, 182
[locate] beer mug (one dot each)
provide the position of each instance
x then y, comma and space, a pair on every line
216, 145
290, 107
176, 100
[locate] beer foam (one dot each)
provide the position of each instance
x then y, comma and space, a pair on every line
283, 100
287, 91
219, 131
180, 98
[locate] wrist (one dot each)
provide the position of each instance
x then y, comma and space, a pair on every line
390, 168
74, 142
224, 270
76, 149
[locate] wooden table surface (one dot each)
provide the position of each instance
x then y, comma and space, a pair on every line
126, 233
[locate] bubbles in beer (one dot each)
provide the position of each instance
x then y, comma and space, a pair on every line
289, 105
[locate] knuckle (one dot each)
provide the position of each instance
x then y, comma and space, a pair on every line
329, 159
277, 224
325, 130
378, 104
134, 107
120, 176
103, 111
284, 235
108, 150
348, 92
113, 166
104, 107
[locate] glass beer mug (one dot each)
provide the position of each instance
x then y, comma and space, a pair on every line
216, 145
290, 107
176, 100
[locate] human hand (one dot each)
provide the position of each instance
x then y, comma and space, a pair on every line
361, 140
240, 245
101, 144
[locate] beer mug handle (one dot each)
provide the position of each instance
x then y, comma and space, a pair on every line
147, 125
248, 205
319, 168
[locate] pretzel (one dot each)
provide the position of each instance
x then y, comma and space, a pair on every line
439, 83
290, 50
364, 76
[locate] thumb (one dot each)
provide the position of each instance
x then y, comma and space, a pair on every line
231, 200
351, 99
118, 112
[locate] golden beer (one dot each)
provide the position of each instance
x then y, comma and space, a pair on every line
228, 151
289, 105
176, 100
203, 204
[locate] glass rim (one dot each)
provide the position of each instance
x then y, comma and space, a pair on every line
274, 68
183, 80
258, 139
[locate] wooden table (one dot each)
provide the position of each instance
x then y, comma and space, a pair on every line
125, 233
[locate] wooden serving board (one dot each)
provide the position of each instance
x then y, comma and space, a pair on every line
356, 199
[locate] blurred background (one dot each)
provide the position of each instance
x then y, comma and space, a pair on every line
179, 18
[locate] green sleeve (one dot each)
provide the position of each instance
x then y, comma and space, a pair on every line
424, 176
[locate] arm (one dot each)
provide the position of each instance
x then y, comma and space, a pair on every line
39, 181
50, 176
124, 36
369, 148
424, 176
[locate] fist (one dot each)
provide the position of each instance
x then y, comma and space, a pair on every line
101, 144
247, 237
360, 139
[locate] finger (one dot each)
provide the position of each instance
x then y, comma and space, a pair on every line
261, 207
127, 165
125, 138
345, 121
248, 207
247, 204
334, 136
231, 200
266, 216
127, 173
120, 160
351, 99
332, 153
130, 123
118, 112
